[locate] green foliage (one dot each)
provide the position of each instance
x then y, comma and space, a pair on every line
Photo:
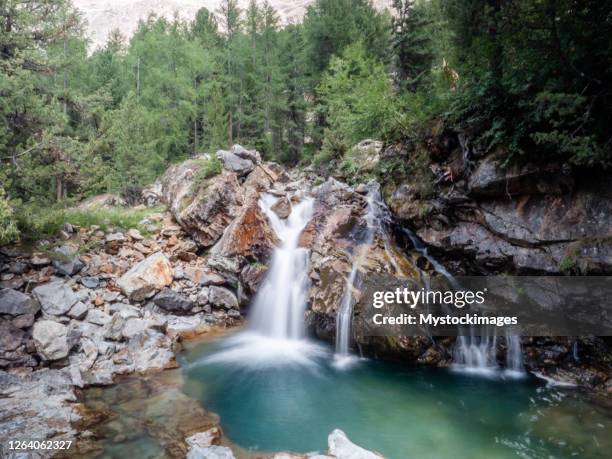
411, 43
37, 223
567, 263
355, 95
8, 228
535, 76
206, 168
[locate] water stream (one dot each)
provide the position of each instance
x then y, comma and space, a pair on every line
475, 354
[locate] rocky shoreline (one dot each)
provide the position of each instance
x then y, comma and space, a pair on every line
94, 305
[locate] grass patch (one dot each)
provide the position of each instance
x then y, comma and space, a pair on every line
206, 168
37, 223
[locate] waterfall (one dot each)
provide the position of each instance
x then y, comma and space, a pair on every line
475, 354
514, 356
377, 215
275, 333
279, 306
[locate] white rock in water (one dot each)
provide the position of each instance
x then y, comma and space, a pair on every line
211, 452
341, 447
204, 439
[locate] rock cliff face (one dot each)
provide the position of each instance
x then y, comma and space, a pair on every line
485, 218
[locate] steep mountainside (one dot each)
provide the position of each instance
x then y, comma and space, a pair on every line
105, 15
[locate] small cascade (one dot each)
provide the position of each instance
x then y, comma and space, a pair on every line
475, 354
377, 217
514, 356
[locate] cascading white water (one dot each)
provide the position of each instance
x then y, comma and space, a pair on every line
376, 216
475, 354
514, 356
275, 335
278, 308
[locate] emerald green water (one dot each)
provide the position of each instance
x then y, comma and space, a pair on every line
402, 413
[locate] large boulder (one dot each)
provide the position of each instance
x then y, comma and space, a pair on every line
15, 303
203, 209
147, 277
249, 235
55, 298
51, 339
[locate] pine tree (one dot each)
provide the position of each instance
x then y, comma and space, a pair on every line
411, 45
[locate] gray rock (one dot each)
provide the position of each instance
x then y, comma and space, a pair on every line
15, 303
223, 298
97, 317
24, 321
129, 310
136, 326
39, 260
78, 311
282, 208
18, 267
172, 301
492, 179
150, 350
252, 155
55, 298
90, 282
11, 337
38, 405
223, 264
252, 276
51, 339
135, 235
203, 296
147, 277
210, 278
235, 163
67, 261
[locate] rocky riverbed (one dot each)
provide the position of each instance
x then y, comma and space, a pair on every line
92, 305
